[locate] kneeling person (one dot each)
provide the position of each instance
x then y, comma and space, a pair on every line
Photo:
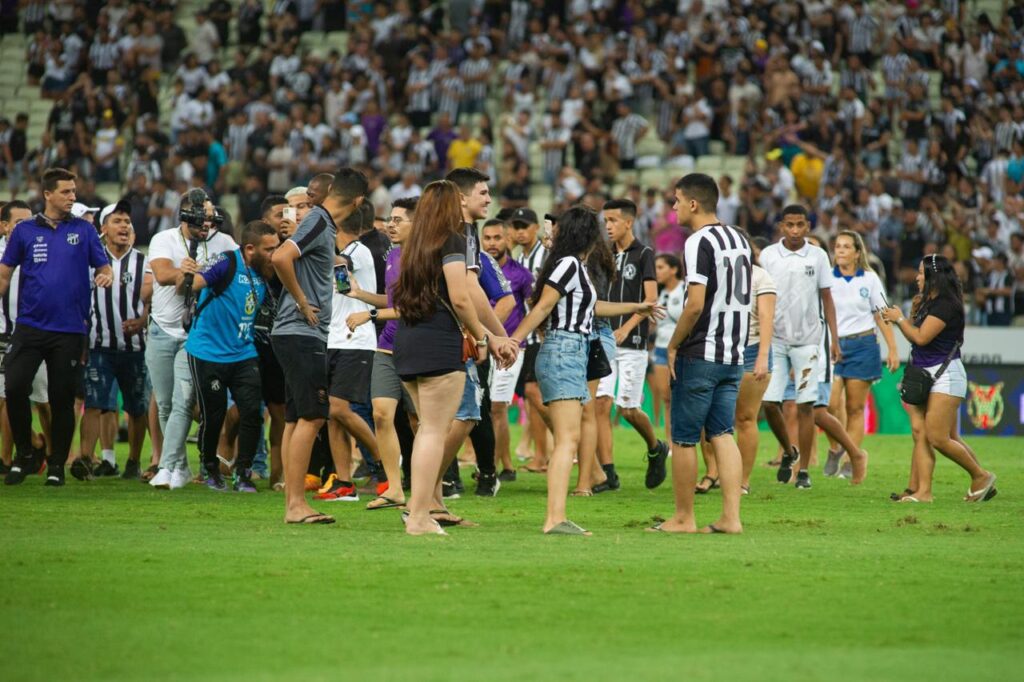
222, 354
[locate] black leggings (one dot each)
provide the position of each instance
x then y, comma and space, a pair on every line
212, 381
62, 353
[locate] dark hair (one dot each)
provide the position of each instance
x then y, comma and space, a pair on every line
495, 222
940, 282
367, 215
254, 231
322, 179
700, 188
438, 217
270, 202
578, 231
8, 208
349, 184
51, 176
466, 178
408, 203
673, 262
353, 224
795, 209
601, 264
624, 205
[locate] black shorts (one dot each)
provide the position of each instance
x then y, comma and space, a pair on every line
527, 375
627, 164
304, 361
419, 119
272, 376
350, 372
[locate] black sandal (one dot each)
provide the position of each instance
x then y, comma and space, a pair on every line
149, 473
896, 497
704, 491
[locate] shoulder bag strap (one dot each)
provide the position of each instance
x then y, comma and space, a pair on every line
949, 359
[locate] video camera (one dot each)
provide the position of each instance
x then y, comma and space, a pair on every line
195, 215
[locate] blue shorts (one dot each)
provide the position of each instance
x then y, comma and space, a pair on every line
562, 367
108, 371
862, 359
824, 393
703, 398
750, 357
661, 356
469, 408
604, 332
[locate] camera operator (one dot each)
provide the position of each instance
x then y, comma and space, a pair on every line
173, 253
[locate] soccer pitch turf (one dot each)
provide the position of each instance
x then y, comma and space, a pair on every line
112, 580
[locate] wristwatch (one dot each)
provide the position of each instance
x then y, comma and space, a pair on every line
482, 343
373, 314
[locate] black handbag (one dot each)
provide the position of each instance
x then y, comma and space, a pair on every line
916, 384
598, 366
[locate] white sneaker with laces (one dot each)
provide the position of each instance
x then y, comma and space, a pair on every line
162, 480
181, 478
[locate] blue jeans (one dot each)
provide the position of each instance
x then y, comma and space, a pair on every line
110, 370
167, 363
703, 398
469, 408
365, 410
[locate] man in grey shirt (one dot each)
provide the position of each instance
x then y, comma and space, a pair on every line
305, 265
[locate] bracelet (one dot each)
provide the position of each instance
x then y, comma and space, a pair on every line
482, 343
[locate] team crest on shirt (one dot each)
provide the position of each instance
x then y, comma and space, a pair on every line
629, 272
250, 303
39, 239
215, 385
126, 277
73, 239
985, 405
809, 270
864, 292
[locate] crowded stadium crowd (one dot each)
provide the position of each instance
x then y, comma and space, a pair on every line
892, 132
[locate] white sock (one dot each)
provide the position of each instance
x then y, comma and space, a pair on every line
109, 456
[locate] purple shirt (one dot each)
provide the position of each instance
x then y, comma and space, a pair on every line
442, 139
374, 126
521, 281
386, 340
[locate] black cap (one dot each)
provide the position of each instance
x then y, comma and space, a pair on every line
525, 216
552, 217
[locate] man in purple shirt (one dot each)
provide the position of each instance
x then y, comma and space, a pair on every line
503, 381
442, 136
54, 251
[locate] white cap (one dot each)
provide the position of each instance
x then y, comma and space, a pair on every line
79, 210
982, 253
122, 206
816, 45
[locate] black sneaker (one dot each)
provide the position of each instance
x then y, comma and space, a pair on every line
132, 470
363, 470
487, 485
656, 465
785, 471
21, 468
215, 480
507, 475
613, 482
449, 491
106, 470
81, 470
803, 480
54, 477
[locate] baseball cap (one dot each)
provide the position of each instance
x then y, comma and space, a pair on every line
982, 253
121, 206
79, 210
525, 216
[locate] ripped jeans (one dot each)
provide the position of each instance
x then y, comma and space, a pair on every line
803, 362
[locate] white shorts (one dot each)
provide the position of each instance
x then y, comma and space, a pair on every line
953, 381
803, 361
629, 368
40, 388
503, 381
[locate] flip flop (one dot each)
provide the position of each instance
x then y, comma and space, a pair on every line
567, 528
439, 531
658, 528
896, 497
388, 503
983, 495
744, 490
581, 493
909, 498
601, 488
533, 471
712, 529
450, 522
704, 491
313, 519
149, 473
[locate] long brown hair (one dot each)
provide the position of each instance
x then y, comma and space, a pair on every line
859, 247
438, 216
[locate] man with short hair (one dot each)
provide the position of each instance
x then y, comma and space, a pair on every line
298, 199
634, 283
304, 263
318, 188
54, 251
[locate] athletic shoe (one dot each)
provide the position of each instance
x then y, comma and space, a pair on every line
106, 470
80, 470
507, 475
362, 471
132, 471
613, 482
215, 481
54, 477
162, 480
17, 472
487, 485
832, 463
313, 482
339, 491
803, 480
243, 482
785, 471
449, 491
38, 461
846, 471
656, 465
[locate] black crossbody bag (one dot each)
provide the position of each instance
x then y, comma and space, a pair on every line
916, 385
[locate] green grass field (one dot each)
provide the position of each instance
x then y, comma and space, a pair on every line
112, 580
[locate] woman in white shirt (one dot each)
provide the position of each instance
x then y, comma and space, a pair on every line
668, 271
859, 296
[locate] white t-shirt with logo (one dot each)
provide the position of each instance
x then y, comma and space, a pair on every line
673, 301
799, 276
168, 304
857, 298
364, 272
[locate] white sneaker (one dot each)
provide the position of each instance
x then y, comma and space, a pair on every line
181, 478
162, 480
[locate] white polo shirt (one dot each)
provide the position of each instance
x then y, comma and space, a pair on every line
799, 276
856, 299
364, 271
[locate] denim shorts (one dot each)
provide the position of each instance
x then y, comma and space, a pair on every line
604, 332
562, 367
862, 359
750, 357
660, 357
824, 393
469, 408
108, 371
703, 398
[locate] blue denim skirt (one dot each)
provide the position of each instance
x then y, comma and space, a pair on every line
562, 366
862, 359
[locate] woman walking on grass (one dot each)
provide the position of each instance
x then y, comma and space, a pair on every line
936, 332
668, 271
565, 298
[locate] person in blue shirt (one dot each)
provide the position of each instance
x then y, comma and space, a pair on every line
54, 251
222, 353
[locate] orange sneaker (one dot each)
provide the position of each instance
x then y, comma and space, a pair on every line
382, 487
339, 491
312, 482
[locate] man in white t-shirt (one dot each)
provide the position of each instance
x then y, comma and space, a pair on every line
350, 356
803, 278
170, 261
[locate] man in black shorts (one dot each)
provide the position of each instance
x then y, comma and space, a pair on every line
305, 265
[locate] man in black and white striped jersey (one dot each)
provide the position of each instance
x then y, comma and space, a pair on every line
117, 345
705, 354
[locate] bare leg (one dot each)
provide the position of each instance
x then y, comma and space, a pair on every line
637, 418
341, 450
502, 437
777, 423
603, 412
387, 444
276, 411
922, 463
341, 412
747, 404
805, 425
136, 436
7, 445
858, 458
453, 440
836, 407
566, 417
156, 435
707, 451
940, 422
684, 479
661, 378
590, 474
856, 397
730, 468
228, 438
298, 445
45, 419
90, 433
539, 419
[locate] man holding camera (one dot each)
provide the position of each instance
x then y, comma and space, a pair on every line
176, 253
